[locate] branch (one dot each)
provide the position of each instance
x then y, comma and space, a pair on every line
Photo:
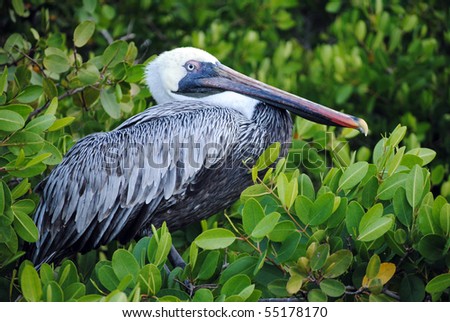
61, 97
391, 294
289, 299
33, 61
107, 36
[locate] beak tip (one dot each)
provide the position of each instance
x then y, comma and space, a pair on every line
363, 127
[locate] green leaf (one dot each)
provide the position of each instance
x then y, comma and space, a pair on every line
412, 289
337, 263
354, 214
343, 93
444, 219
91, 298
30, 284
278, 288
25, 205
437, 174
83, 32
60, 123
50, 89
322, 209
164, 245
89, 5
53, 292
402, 209
109, 102
30, 94
124, 282
140, 250
203, 295
396, 160
124, 263
432, 247
216, 238
235, 285
88, 74
319, 257
438, 284
389, 186
19, 7
332, 288
46, 273
150, 279
243, 265
376, 229
427, 220
306, 187
339, 214
3, 196
56, 63
4, 80
22, 188
353, 175
68, 274
287, 190
427, 155
303, 209
135, 73
289, 247
369, 192
30, 142
37, 159
410, 161
23, 109
281, 231
108, 278
269, 156
10, 121
332, 6
55, 155
294, 283
414, 186
114, 53
40, 123
209, 265
252, 214
51, 109
193, 255
373, 267
74, 291
375, 212
254, 191
396, 136
360, 30
266, 225
25, 227
316, 295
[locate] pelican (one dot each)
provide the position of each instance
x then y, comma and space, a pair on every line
179, 161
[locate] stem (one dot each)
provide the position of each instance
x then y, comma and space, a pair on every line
70, 92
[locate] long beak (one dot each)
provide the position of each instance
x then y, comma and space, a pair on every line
225, 78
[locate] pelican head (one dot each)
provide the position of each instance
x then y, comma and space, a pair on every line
192, 74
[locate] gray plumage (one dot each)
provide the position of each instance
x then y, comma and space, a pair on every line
177, 162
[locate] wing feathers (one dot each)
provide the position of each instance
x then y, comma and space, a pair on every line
109, 182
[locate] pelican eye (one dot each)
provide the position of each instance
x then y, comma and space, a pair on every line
190, 66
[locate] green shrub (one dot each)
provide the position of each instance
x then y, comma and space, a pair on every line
332, 221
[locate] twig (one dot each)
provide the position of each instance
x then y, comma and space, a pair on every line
107, 36
130, 34
391, 294
34, 62
62, 96
289, 299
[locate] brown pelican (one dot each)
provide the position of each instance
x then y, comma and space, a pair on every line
179, 161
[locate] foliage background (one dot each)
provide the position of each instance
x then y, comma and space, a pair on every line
381, 236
